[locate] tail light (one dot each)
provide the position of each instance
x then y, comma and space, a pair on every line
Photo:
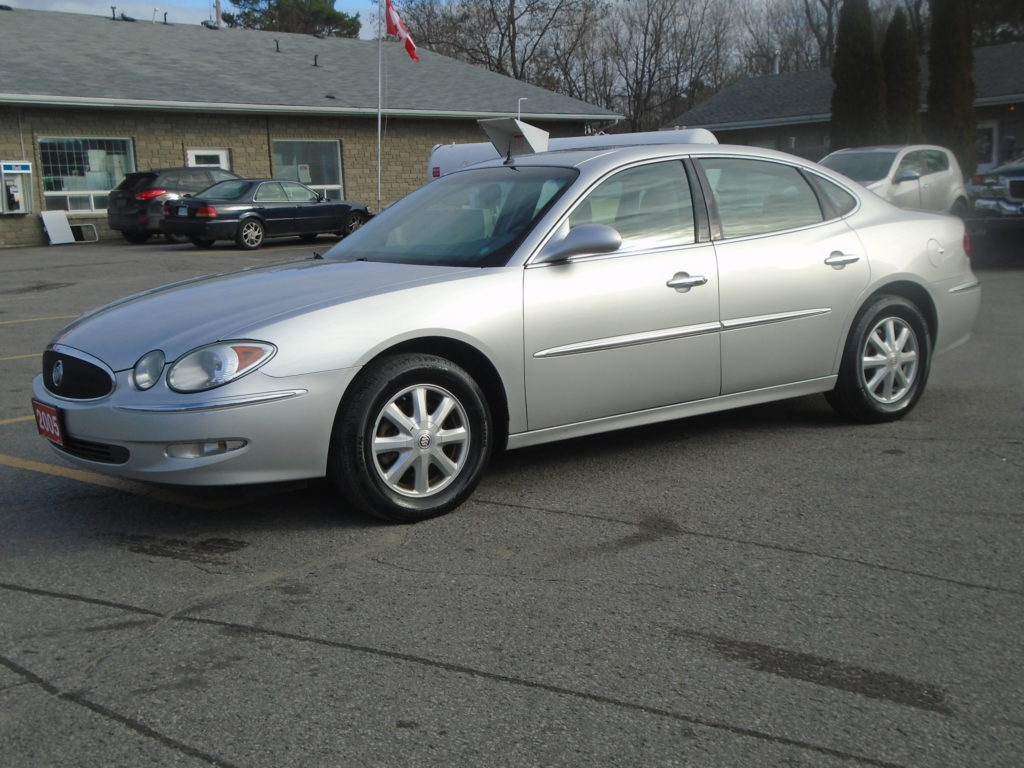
149, 194
207, 212
967, 245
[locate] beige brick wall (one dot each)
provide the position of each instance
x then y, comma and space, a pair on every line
161, 139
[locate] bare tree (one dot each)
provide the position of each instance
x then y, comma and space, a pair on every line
775, 37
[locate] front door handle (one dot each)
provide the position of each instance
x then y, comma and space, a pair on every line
838, 259
683, 281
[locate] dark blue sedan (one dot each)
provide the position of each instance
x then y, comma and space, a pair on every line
249, 211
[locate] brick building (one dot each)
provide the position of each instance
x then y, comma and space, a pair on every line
86, 99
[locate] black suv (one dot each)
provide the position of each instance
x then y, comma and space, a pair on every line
136, 206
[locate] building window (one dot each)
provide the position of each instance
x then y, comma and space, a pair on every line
316, 164
209, 158
79, 173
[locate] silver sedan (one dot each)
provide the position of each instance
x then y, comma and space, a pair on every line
509, 304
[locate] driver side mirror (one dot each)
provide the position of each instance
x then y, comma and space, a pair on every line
586, 239
906, 176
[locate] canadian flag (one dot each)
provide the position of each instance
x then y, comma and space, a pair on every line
397, 28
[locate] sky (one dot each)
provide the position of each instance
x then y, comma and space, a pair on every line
182, 11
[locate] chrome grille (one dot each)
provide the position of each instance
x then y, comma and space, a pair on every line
71, 377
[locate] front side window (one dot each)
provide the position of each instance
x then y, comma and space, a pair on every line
78, 173
297, 193
471, 218
754, 197
315, 163
649, 205
913, 162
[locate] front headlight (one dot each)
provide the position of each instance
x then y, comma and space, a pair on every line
147, 371
217, 364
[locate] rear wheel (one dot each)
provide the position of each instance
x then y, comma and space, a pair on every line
885, 362
136, 237
250, 234
959, 208
412, 440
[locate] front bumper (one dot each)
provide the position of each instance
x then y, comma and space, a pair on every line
999, 207
277, 429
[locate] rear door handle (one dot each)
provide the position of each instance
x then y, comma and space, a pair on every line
683, 281
838, 259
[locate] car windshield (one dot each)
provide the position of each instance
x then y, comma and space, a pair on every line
471, 218
861, 166
224, 190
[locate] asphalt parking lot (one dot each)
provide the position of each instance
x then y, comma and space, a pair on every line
765, 587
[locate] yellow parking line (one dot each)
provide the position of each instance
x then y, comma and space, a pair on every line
16, 419
37, 319
127, 486
18, 357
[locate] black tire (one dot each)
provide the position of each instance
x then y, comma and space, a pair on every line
885, 362
353, 220
250, 234
201, 242
136, 237
959, 209
176, 238
435, 465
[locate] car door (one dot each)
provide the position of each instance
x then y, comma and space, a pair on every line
277, 212
790, 272
906, 193
311, 216
937, 181
630, 330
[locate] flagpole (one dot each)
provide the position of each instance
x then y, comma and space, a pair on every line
380, 5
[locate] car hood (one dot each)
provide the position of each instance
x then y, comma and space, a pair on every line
179, 317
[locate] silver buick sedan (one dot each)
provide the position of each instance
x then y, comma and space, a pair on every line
553, 295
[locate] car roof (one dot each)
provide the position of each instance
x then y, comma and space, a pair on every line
615, 156
888, 148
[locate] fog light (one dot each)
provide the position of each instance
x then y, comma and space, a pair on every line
203, 449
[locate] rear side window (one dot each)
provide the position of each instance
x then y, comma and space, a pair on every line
270, 192
297, 193
754, 197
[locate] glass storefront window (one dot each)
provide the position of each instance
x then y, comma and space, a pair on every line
86, 168
315, 163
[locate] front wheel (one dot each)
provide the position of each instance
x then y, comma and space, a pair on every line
250, 234
412, 439
353, 220
885, 362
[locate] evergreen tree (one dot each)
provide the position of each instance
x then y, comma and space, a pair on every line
950, 121
902, 82
858, 100
310, 17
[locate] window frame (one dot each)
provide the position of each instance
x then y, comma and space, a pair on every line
90, 194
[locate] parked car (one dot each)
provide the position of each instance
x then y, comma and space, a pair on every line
999, 193
250, 210
514, 303
136, 206
918, 176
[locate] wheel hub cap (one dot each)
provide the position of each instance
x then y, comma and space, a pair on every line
420, 441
